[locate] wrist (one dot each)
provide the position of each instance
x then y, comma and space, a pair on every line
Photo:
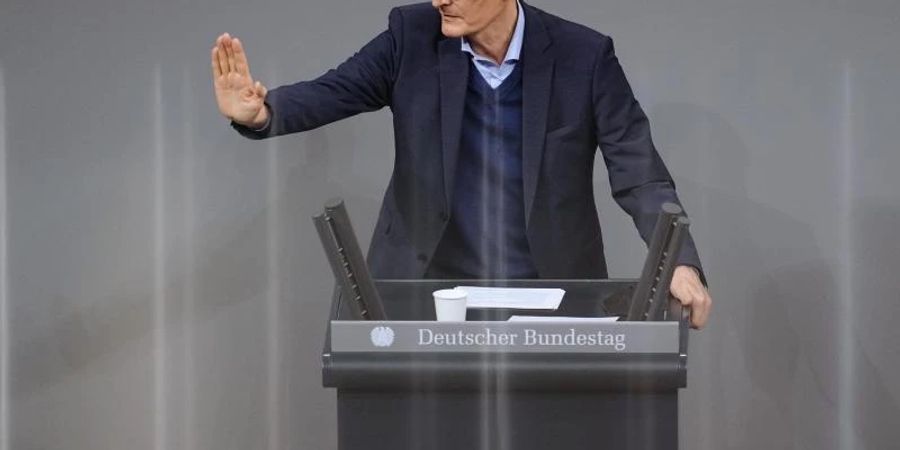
257, 122
261, 120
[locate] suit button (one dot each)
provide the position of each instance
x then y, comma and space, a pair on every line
422, 257
443, 216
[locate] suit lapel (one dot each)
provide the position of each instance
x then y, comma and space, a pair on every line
454, 76
537, 77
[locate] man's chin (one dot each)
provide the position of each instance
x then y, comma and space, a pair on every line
452, 31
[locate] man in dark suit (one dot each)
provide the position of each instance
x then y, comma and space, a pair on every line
498, 108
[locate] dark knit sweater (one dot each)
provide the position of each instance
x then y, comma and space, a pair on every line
485, 237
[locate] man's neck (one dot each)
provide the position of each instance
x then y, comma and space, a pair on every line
493, 40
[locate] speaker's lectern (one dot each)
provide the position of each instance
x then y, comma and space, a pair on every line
405, 381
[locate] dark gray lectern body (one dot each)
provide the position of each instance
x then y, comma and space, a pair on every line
562, 397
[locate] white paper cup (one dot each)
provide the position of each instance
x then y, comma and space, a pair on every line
450, 305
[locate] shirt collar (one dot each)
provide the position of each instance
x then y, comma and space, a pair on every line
515, 44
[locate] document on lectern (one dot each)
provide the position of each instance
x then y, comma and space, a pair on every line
563, 319
512, 298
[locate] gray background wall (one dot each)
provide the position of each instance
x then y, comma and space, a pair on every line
162, 286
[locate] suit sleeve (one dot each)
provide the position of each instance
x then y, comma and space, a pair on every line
639, 180
362, 83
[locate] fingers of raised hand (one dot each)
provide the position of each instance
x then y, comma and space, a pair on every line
223, 60
228, 57
216, 68
229, 50
240, 58
222, 43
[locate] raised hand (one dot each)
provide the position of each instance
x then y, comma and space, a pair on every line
239, 97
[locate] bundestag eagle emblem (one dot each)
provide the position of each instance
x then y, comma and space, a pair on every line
382, 336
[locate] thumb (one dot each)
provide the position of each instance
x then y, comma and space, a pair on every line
261, 90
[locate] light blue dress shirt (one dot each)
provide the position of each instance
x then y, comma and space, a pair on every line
492, 73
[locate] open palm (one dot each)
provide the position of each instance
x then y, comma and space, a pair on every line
239, 98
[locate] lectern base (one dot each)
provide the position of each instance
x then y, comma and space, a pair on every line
516, 420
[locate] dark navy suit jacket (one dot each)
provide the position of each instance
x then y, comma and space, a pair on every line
575, 97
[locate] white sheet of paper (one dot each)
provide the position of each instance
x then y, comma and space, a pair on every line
513, 298
562, 319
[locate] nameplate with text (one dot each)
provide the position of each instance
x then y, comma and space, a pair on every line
504, 337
